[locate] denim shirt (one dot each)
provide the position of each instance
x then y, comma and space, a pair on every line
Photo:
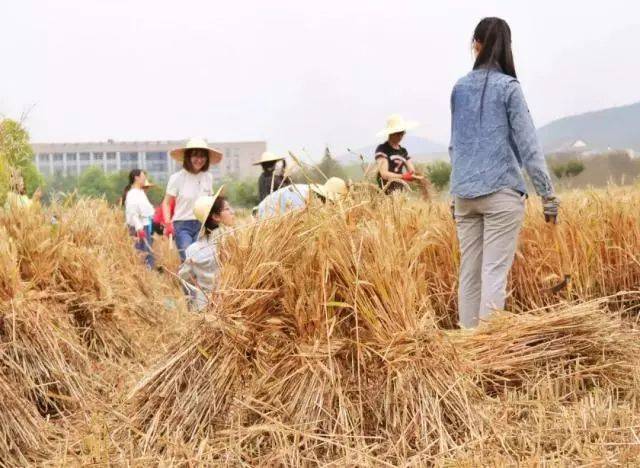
491, 141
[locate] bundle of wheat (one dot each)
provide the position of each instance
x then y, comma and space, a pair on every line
85, 260
41, 355
578, 347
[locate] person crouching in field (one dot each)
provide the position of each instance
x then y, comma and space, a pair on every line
393, 161
185, 186
294, 197
492, 137
270, 180
138, 212
200, 268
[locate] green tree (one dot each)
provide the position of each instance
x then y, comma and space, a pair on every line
330, 167
116, 181
573, 168
94, 183
242, 193
439, 173
16, 154
558, 170
59, 186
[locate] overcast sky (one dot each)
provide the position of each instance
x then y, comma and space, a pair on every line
295, 73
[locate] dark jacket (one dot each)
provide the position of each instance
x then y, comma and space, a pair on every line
268, 182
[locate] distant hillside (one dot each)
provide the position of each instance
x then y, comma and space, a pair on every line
617, 128
420, 149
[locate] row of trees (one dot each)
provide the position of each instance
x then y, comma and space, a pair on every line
16, 153
95, 183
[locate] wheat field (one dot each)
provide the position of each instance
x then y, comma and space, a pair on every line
330, 341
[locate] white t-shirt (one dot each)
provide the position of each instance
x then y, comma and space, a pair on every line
137, 208
291, 197
187, 188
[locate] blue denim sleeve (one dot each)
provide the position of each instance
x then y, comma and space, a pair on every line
528, 147
450, 148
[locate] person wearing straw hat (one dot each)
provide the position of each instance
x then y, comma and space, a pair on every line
185, 186
200, 268
17, 195
296, 196
269, 181
395, 167
138, 212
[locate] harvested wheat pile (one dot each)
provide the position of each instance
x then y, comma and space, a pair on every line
74, 302
310, 331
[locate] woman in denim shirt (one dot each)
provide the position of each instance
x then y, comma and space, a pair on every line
492, 138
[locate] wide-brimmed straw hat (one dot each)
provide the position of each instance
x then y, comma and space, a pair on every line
332, 189
268, 157
396, 124
215, 155
203, 206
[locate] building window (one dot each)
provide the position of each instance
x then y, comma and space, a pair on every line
72, 157
58, 158
98, 157
112, 162
84, 161
43, 158
129, 160
156, 161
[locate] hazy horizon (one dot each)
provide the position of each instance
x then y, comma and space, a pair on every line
294, 74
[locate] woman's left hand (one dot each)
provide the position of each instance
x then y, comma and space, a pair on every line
550, 207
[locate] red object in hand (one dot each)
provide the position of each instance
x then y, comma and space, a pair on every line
141, 234
408, 176
168, 229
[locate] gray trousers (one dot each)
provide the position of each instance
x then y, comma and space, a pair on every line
488, 229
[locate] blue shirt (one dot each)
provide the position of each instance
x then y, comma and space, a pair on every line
493, 139
291, 197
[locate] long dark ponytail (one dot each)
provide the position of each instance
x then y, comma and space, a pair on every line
494, 36
132, 178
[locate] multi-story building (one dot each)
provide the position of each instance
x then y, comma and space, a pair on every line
151, 156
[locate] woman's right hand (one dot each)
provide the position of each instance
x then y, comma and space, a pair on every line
550, 206
408, 177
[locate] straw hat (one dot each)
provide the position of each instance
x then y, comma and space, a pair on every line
215, 155
395, 124
268, 157
332, 189
203, 205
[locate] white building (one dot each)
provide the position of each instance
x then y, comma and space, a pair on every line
151, 156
